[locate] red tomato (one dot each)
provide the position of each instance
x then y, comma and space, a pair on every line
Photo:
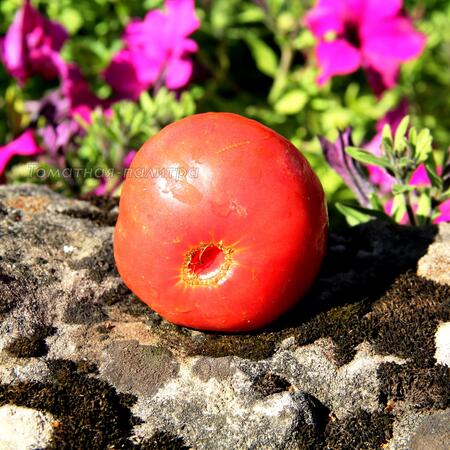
222, 224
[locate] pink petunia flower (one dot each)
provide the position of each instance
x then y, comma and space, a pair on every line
128, 159
444, 207
444, 210
24, 145
157, 50
420, 178
32, 44
76, 89
372, 34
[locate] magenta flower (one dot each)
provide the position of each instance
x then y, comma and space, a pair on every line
157, 51
444, 210
76, 89
372, 34
53, 117
420, 178
349, 169
24, 145
128, 159
32, 44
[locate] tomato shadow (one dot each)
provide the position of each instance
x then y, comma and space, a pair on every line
361, 263
360, 266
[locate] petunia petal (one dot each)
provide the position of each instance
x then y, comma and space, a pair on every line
385, 72
349, 169
325, 18
444, 210
420, 177
150, 31
376, 11
77, 90
31, 45
394, 39
178, 73
24, 145
354, 11
128, 158
156, 50
380, 178
336, 58
183, 20
121, 75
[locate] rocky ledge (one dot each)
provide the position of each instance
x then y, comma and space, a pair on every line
363, 362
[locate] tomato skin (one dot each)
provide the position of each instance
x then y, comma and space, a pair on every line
249, 190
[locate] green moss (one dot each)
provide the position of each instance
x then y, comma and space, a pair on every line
360, 431
12, 290
423, 388
164, 440
342, 324
404, 321
310, 435
90, 412
84, 311
99, 265
251, 346
30, 346
270, 383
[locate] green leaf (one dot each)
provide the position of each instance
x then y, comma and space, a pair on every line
292, 102
424, 207
376, 202
436, 180
146, 102
423, 145
287, 22
252, 13
352, 215
387, 140
400, 142
72, 19
445, 195
398, 208
367, 158
136, 122
265, 58
412, 136
355, 214
401, 189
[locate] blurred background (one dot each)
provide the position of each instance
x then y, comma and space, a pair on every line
84, 83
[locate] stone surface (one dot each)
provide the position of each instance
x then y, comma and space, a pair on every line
435, 265
443, 344
24, 428
357, 364
422, 432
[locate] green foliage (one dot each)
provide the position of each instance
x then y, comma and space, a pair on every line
401, 157
108, 139
130, 124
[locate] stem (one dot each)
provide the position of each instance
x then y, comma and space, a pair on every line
402, 179
409, 210
282, 72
